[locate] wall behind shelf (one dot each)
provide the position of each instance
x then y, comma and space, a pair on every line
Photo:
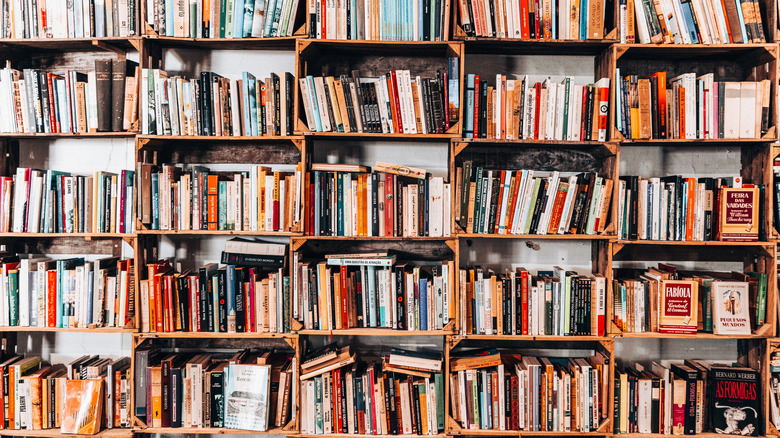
228, 63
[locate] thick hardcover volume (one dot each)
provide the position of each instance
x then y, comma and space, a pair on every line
118, 77
735, 401
103, 92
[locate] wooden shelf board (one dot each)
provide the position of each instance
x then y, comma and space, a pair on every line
660, 435
221, 138
688, 50
542, 338
522, 141
696, 142
377, 238
573, 433
492, 432
375, 332
68, 330
74, 235
535, 236
55, 433
217, 233
364, 435
50, 135
379, 135
656, 335
206, 431
691, 243
275, 43
213, 335
74, 44
485, 432
535, 46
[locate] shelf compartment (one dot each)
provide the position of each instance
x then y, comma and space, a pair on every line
95, 330
71, 44
213, 335
55, 433
57, 135
207, 431
274, 43
377, 331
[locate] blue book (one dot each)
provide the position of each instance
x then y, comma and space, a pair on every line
277, 17
100, 18
155, 201
421, 18
339, 204
246, 78
371, 296
584, 19
353, 18
315, 107
423, 304
222, 205
249, 11
238, 18
168, 18
742, 28
90, 296
269, 17
468, 123
619, 99
687, 13
231, 295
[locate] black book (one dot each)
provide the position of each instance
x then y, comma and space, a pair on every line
217, 401
583, 219
182, 293
426, 201
375, 204
103, 91
690, 376
417, 414
656, 123
348, 103
313, 305
469, 27
537, 208
206, 110
616, 402
735, 401
329, 105
422, 195
675, 222
483, 109
426, 30
252, 260
493, 203
390, 405
360, 111
507, 290
44, 84
400, 296
492, 19
177, 393
118, 76
518, 304
376, 120
206, 304
165, 414
222, 299
399, 205
145, 356
277, 103
589, 111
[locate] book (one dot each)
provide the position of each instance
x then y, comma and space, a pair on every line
678, 306
739, 214
82, 409
735, 401
730, 304
59, 20
246, 397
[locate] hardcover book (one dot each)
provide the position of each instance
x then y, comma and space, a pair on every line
678, 307
739, 214
735, 403
730, 308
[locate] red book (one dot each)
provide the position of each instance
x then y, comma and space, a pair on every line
170, 304
338, 419
51, 298
538, 88
159, 313
584, 117
195, 288
52, 112
323, 20
524, 300
476, 106
524, 29
691, 207
371, 393
122, 201
344, 297
213, 202
661, 75
513, 202
62, 201
251, 302
389, 201
514, 406
395, 103
557, 212
445, 93
277, 195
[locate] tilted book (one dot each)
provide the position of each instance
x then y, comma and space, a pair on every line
730, 308
247, 397
678, 306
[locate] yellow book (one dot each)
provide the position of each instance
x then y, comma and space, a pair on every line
83, 409
156, 386
323, 277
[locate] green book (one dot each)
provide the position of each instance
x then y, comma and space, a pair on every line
438, 380
475, 399
222, 9
222, 197
340, 204
318, 424
706, 293
13, 296
227, 19
487, 181
760, 297
567, 90
464, 194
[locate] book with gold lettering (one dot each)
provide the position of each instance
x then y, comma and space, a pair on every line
678, 307
83, 408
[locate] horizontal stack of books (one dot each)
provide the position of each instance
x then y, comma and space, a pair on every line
541, 19
691, 107
351, 200
555, 302
385, 20
77, 19
229, 299
69, 101
529, 202
174, 197
393, 103
215, 105
40, 396
520, 109
667, 301
66, 293
495, 391
688, 398
398, 394
689, 209
247, 390
374, 290
691, 22
50, 201
223, 19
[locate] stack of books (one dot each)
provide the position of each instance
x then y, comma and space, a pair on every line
77, 19
50, 201
385, 20
223, 19
40, 396
667, 301
690, 209
247, 390
556, 302
374, 290
691, 22
691, 107
545, 19
515, 109
66, 293
40, 101
393, 103
529, 202
215, 105
688, 398
228, 299
393, 200
398, 394
494, 391
175, 197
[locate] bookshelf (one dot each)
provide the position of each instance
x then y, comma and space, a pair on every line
601, 253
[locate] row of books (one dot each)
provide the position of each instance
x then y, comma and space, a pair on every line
691, 22
689, 209
491, 390
223, 19
351, 200
66, 293
215, 105
691, 107
774, 387
397, 394
36, 100
374, 290
556, 302
178, 198
529, 202
246, 390
688, 398
384, 20
666, 301
533, 19
76, 19
519, 109
77, 397
50, 201
228, 299
393, 103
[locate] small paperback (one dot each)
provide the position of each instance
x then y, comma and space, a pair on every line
739, 214
730, 308
247, 397
735, 404
678, 307
83, 408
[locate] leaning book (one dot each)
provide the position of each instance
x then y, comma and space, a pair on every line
678, 311
735, 404
247, 393
83, 410
730, 308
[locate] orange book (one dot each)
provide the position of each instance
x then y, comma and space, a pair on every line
213, 202
170, 304
560, 199
690, 207
389, 207
156, 292
361, 205
344, 277
337, 315
11, 398
513, 202
394, 112
83, 408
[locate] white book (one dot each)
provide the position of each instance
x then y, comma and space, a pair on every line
566, 212
447, 214
506, 182
642, 32
552, 190
642, 219
269, 203
20, 196
489, 196
436, 207
498, 104
552, 101
411, 112
682, 27
319, 89
732, 111
515, 225
747, 105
